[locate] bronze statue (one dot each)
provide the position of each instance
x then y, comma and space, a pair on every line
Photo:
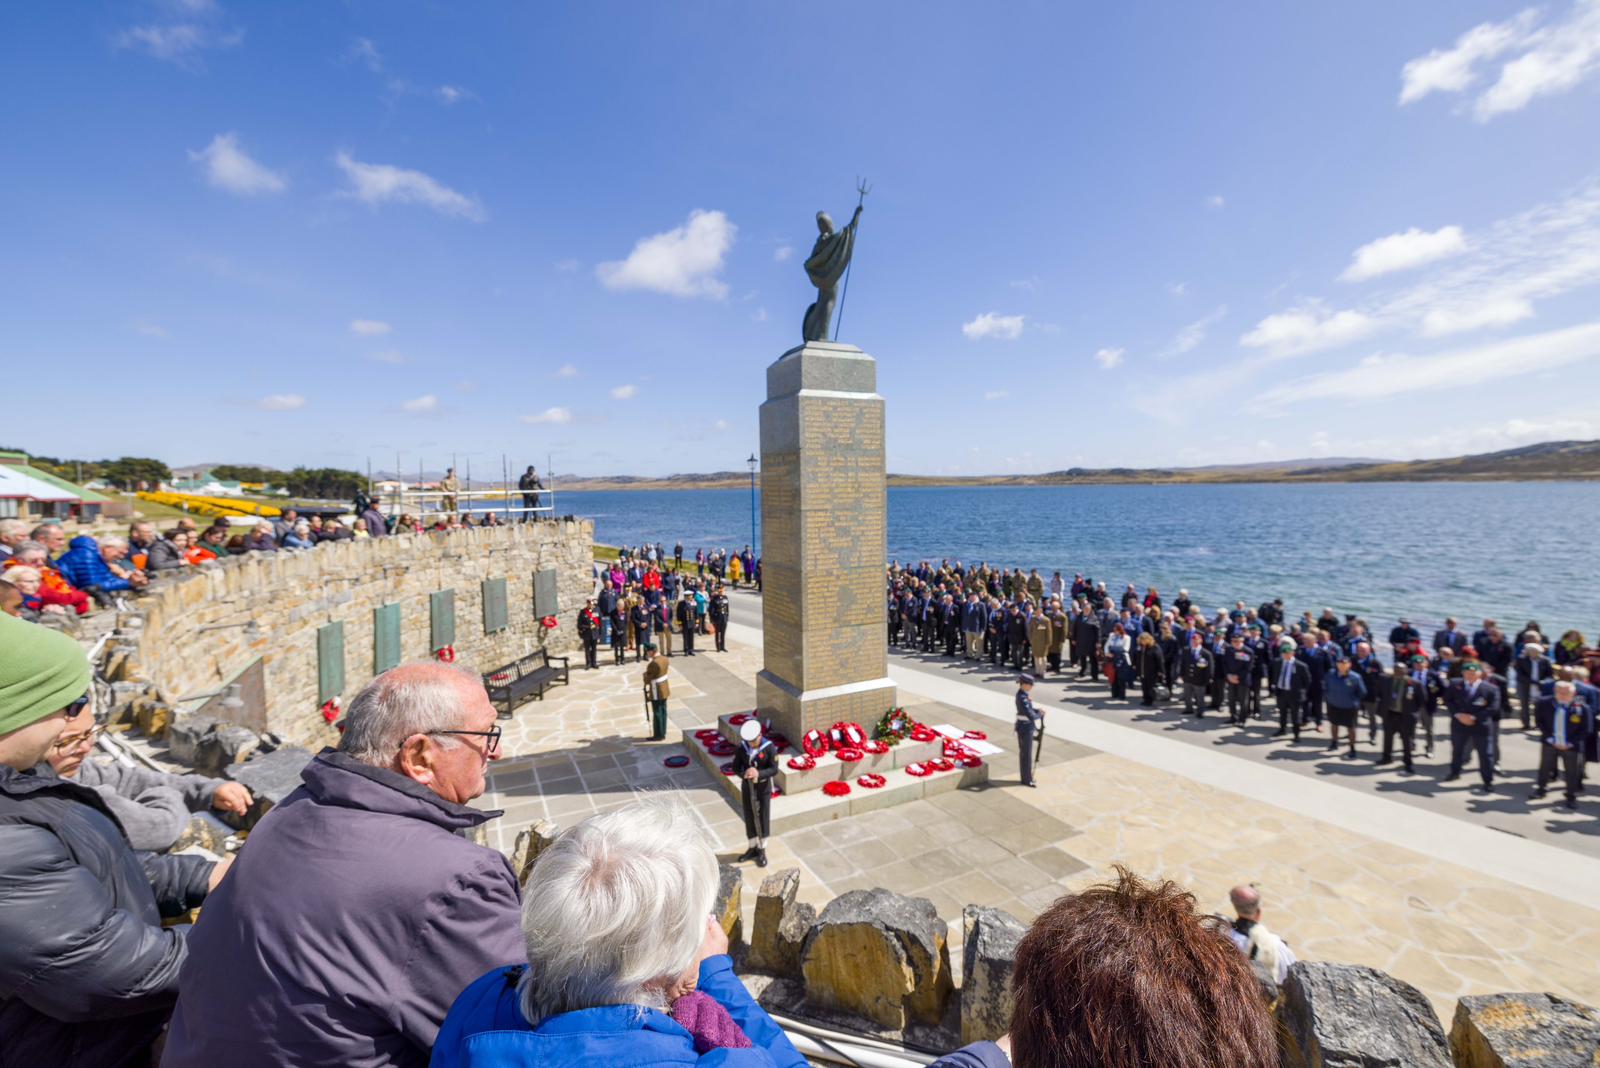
828, 263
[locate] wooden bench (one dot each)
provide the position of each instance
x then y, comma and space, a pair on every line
529, 676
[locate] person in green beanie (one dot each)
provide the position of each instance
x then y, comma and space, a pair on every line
88, 975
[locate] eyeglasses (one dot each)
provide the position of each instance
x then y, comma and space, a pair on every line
493, 734
72, 741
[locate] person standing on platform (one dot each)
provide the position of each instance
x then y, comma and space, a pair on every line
530, 486
755, 762
1565, 724
686, 620
1291, 678
656, 691
1474, 707
718, 611
449, 485
1029, 725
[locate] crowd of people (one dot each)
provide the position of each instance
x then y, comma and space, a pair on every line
43, 571
644, 602
359, 926
1317, 672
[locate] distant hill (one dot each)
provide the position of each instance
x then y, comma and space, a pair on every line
1549, 461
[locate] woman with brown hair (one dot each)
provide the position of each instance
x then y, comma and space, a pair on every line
1127, 974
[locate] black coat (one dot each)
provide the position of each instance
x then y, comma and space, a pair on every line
1299, 678
765, 762
88, 975
1544, 714
1485, 704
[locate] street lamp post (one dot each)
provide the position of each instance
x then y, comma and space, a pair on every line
752, 461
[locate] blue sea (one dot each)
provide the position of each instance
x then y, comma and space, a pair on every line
1513, 552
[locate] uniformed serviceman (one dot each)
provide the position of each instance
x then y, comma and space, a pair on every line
656, 691
755, 762
1474, 709
718, 611
686, 620
1030, 724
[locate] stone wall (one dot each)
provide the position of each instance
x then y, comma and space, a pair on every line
291, 595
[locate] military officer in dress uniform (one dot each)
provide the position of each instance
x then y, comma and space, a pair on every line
719, 617
656, 691
1474, 709
1565, 723
755, 763
1030, 724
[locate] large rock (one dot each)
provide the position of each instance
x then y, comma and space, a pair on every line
225, 745
728, 908
989, 952
1523, 1031
880, 956
184, 734
531, 841
271, 777
781, 925
1346, 1016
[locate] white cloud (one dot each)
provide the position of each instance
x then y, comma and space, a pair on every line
369, 327
1450, 70
1178, 289
149, 329
759, 315
682, 262
1459, 319
363, 51
378, 183
425, 403
782, 253
453, 94
994, 325
177, 42
1215, 201
624, 392
720, 425
1308, 329
281, 402
567, 266
1538, 60
550, 415
1189, 338
1028, 284
390, 356
1388, 376
1108, 358
567, 370
996, 394
1557, 59
1403, 251
227, 166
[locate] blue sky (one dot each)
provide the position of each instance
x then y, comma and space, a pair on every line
1117, 234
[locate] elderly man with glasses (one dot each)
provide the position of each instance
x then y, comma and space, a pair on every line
358, 911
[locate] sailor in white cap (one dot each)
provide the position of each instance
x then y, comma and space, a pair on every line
755, 762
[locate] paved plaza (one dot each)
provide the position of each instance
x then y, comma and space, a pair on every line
1361, 878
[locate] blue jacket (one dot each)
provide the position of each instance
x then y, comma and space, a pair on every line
83, 566
1344, 691
486, 1029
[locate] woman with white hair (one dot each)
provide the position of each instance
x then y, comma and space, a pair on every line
626, 964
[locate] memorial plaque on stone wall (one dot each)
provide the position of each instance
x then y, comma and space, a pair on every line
824, 540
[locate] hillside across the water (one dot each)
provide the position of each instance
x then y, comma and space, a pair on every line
1547, 461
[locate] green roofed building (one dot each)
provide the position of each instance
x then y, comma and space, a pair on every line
28, 493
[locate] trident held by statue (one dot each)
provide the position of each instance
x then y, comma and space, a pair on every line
862, 189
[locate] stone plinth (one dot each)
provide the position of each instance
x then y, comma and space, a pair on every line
823, 541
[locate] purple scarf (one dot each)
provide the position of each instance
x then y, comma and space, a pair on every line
708, 1023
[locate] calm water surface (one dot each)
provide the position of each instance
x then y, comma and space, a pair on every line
1510, 551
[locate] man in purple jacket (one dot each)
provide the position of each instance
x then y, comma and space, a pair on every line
358, 913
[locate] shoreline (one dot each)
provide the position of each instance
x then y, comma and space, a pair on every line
1044, 482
